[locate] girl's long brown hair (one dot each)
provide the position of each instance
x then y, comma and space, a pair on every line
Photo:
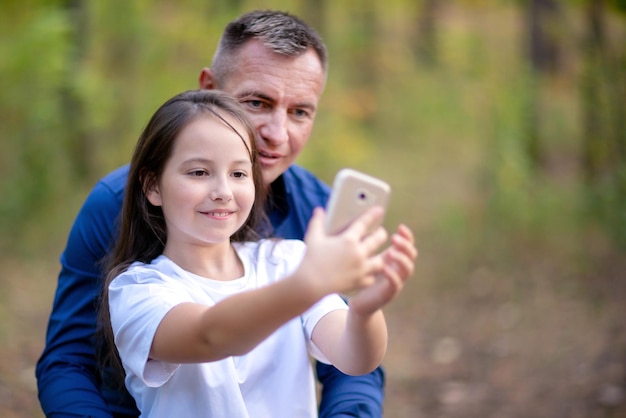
142, 230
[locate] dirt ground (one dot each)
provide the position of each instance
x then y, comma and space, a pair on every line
548, 340
543, 342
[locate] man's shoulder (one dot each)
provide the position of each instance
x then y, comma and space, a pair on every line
300, 181
105, 198
115, 181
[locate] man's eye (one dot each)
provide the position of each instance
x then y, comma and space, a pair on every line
300, 113
255, 104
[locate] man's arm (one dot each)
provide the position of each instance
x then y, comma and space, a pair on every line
67, 371
350, 396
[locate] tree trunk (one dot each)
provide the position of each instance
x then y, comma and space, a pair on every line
425, 36
365, 59
594, 135
73, 109
543, 20
314, 14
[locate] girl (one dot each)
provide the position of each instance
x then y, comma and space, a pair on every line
208, 319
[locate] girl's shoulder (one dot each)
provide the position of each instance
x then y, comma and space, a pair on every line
271, 244
272, 249
157, 269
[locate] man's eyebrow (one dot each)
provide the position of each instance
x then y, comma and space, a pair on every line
253, 93
262, 96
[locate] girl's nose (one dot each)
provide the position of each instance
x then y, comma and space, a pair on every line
220, 190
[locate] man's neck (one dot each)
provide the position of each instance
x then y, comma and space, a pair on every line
276, 206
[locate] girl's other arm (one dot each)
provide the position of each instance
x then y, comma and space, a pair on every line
355, 341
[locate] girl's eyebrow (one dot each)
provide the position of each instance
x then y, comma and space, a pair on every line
199, 160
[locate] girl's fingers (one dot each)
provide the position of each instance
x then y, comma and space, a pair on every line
315, 226
403, 241
402, 254
400, 262
406, 232
362, 224
374, 240
394, 278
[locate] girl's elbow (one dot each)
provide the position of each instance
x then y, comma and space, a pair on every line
359, 369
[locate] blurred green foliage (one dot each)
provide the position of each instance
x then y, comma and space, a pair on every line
80, 79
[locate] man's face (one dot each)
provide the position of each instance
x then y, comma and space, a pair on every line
280, 95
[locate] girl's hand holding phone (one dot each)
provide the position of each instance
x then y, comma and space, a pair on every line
346, 261
344, 254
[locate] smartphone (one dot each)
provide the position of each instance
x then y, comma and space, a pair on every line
352, 194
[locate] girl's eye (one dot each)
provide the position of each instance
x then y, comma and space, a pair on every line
239, 174
197, 173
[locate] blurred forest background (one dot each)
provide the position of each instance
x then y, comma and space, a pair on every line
501, 125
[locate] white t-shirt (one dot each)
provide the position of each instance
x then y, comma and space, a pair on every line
273, 380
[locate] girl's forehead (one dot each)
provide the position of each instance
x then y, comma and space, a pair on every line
231, 123
212, 127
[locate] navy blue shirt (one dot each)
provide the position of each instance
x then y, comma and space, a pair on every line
69, 380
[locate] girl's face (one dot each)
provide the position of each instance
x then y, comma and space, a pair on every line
206, 190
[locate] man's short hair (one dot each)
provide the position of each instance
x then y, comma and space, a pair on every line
280, 32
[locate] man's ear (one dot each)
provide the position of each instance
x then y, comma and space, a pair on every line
206, 79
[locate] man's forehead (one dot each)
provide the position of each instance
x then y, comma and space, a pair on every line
259, 69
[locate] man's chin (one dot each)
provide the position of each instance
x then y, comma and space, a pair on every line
271, 173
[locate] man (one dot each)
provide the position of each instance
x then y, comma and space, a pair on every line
276, 66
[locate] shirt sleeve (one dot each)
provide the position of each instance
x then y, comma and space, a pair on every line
311, 317
138, 303
67, 376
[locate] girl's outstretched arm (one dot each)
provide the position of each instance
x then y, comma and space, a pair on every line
192, 332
